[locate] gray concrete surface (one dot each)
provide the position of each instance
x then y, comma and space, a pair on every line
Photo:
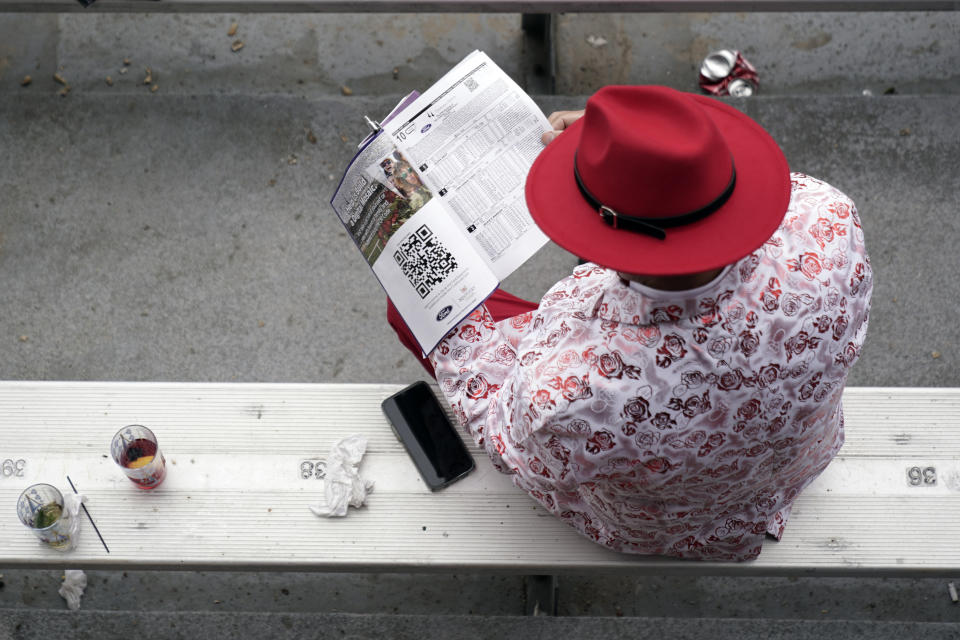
316, 54
288, 54
21, 626
170, 237
795, 53
797, 598
184, 234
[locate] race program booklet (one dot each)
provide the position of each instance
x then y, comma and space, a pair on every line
434, 199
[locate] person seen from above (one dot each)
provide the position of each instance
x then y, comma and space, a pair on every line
675, 394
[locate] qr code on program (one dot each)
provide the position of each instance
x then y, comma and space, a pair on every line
424, 261
470, 83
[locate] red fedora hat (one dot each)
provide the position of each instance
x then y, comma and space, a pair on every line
655, 181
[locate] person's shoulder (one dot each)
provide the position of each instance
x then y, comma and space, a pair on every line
816, 202
585, 283
820, 231
807, 188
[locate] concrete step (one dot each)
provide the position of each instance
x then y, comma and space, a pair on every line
919, 600
165, 237
838, 53
835, 53
30, 625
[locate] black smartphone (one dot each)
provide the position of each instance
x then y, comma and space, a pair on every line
424, 429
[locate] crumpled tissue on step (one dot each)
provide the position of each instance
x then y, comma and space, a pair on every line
74, 582
343, 485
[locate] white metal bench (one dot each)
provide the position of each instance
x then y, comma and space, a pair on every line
235, 496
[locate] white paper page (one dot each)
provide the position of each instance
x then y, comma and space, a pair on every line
472, 138
408, 237
441, 277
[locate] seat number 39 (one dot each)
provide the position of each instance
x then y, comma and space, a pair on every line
12, 468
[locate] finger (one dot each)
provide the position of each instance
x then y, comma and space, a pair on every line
560, 120
548, 136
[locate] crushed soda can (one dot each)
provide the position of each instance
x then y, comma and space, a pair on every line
727, 73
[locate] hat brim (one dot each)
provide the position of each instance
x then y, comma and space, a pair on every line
748, 218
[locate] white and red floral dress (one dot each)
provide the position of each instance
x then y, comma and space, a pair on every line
675, 423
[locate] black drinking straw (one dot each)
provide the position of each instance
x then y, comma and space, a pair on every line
89, 516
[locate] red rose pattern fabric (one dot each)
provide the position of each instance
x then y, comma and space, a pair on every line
680, 424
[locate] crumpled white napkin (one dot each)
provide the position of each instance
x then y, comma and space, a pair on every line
71, 504
74, 582
343, 485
